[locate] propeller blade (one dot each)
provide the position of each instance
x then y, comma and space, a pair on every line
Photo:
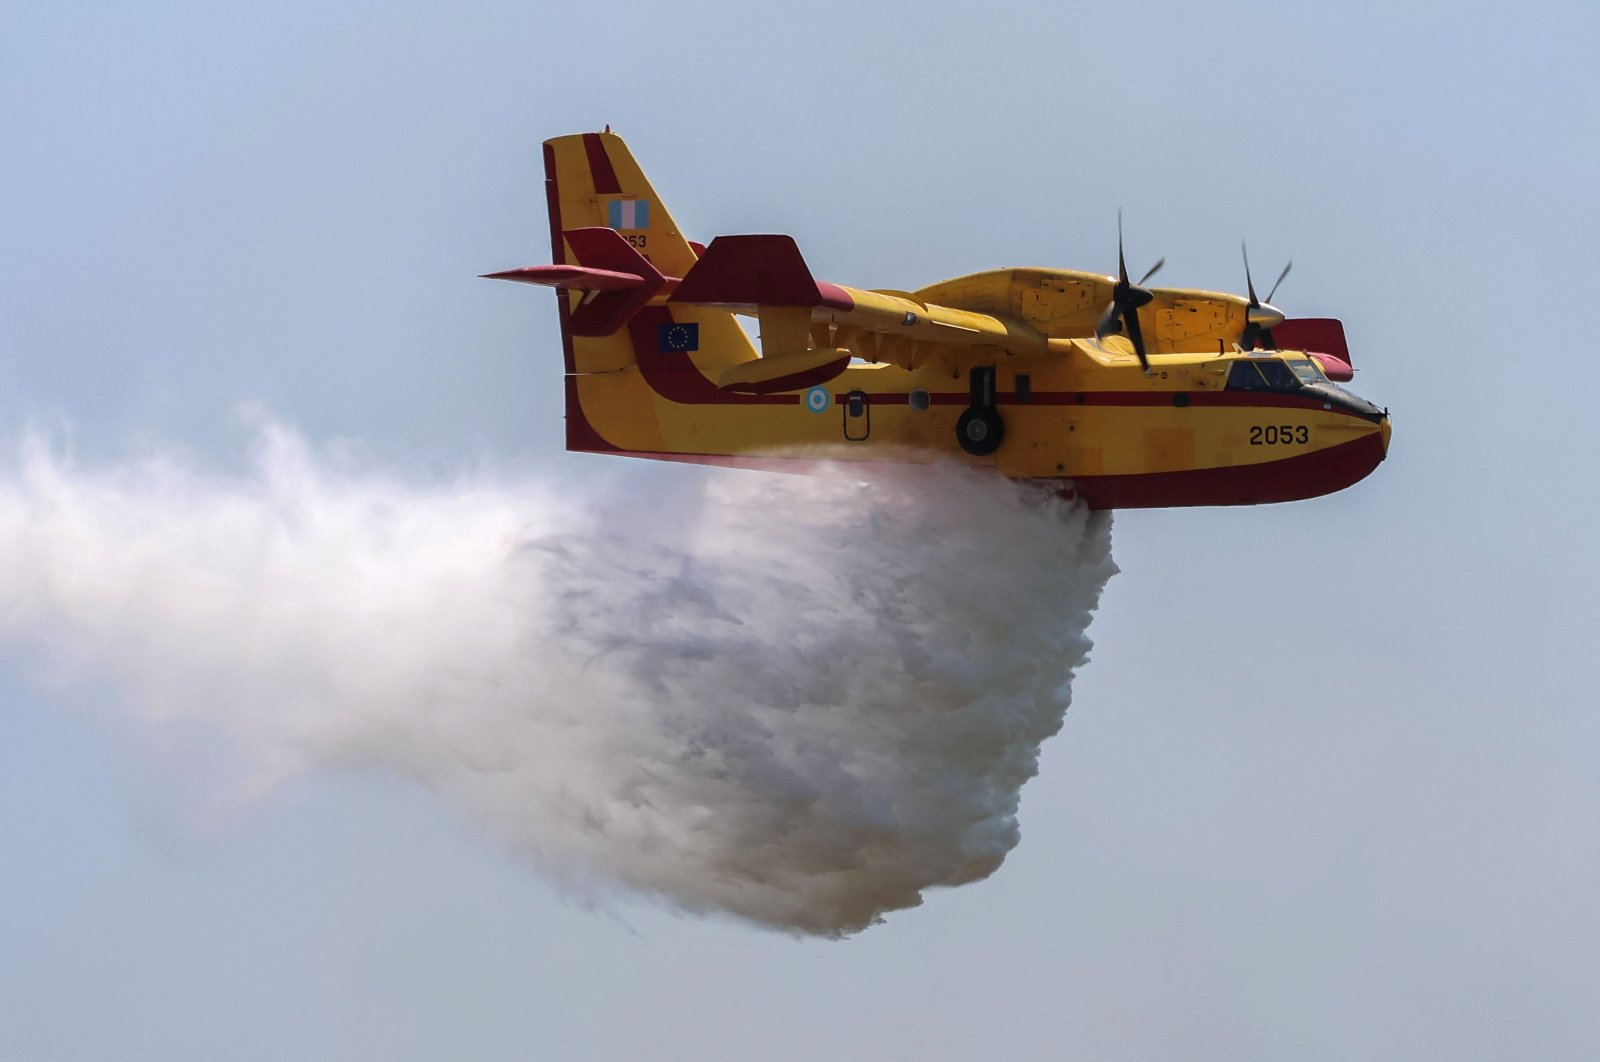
1137, 336
1254, 332
1122, 265
1281, 275
1126, 298
1108, 321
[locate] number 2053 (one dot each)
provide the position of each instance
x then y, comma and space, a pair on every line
1279, 434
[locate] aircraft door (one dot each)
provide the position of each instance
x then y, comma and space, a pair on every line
857, 416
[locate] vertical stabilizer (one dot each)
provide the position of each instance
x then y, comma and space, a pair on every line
592, 181
626, 357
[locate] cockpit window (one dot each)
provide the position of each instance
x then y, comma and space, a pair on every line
1279, 378
1261, 374
1244, 376
1306, 370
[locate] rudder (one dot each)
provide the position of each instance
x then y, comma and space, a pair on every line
593, 182
600, 184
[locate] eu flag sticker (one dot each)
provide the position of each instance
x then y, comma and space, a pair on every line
630, 213
677, 338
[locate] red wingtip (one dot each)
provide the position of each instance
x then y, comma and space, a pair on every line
1337, 369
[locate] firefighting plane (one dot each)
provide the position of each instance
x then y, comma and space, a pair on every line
1127, 396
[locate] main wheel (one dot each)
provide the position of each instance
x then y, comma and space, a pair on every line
980, 431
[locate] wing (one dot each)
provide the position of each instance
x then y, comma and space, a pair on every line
807, 325
800, 316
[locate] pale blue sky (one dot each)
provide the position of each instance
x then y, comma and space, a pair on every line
1327, 788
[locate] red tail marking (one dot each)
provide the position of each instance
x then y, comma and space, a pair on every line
673, 374
601, 248
581, 435
604, 251
558, 253
605, 178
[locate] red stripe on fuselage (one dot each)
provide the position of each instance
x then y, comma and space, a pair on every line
1253, 399
694, 389
1166, 398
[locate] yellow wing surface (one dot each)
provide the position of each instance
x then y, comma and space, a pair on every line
953, 324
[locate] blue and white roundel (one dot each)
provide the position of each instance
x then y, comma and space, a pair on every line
818, 399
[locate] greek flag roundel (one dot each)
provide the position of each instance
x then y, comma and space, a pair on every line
817, 399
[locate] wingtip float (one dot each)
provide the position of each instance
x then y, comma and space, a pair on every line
1128, 396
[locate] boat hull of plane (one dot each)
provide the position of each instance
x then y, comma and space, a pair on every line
1309, 475
1114, 450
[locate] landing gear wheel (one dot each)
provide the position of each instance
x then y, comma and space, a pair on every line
980, 431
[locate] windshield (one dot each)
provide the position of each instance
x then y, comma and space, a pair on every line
1261, 374
1308, 371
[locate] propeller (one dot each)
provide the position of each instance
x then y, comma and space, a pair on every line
1261, 316
1126, 298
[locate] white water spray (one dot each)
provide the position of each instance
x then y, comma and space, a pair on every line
802, 700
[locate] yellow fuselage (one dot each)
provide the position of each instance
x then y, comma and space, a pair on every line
989, 369
1123, 438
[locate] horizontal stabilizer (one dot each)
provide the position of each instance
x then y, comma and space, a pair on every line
617, 280
748, 271
785, 372
570, 277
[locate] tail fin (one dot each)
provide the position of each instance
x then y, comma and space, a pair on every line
592, 181
600, 185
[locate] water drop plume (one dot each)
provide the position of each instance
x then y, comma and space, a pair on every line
803, 700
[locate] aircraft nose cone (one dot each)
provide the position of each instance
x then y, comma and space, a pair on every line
1266, 315
1383, 429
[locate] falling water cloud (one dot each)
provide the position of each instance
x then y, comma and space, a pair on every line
802, 700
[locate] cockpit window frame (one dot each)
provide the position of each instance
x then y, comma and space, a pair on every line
1251, 374
1313, 373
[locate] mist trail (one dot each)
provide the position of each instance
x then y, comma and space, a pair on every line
801, 700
